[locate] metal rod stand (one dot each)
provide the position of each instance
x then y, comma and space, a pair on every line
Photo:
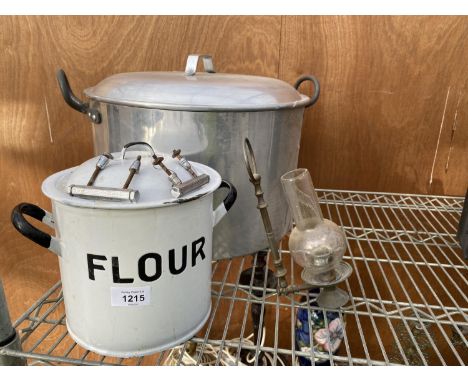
9, 339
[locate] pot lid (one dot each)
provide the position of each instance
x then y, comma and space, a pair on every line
189, 90
150, 185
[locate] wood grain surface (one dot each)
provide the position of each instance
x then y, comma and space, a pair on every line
390, 87
392, 115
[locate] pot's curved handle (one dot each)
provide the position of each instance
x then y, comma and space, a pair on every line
73, 101
31, 232
316, 83
227, 203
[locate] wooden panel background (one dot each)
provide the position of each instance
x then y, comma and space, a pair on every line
391, 86
392, 115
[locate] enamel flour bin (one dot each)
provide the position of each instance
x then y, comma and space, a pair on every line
136, 274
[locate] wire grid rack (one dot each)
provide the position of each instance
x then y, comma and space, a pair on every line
408, 301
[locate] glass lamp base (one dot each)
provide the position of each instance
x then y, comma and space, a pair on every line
341, 273
332, 298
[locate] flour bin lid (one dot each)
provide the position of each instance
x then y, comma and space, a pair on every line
195, 91
150, 184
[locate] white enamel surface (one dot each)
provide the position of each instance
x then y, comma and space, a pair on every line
202, 91
219, 213
140, 353
152, 182
180, 303
55, 246
48, 219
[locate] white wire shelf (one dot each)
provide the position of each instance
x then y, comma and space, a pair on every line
408, 301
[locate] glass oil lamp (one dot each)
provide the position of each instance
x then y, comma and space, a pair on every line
316, 244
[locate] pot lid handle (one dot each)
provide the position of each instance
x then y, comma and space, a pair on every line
192, 63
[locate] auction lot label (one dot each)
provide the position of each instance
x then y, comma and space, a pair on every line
130, 296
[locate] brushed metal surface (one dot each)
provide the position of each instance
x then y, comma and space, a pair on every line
215, 139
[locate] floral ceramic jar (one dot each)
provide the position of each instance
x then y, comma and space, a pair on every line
327, 335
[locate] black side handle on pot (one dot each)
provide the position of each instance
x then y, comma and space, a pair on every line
25, 228
73, 101
316, 83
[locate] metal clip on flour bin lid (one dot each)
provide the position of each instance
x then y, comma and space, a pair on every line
184, 162
196, 182
190, 185
108, 193
175, 180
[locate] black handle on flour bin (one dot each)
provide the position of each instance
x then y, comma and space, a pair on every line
227, 203
27, 229
316, 83
231, 196
73, 101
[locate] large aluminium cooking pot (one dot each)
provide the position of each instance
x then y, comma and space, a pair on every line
136, 276
207, 115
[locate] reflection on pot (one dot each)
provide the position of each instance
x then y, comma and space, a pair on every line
164, 129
